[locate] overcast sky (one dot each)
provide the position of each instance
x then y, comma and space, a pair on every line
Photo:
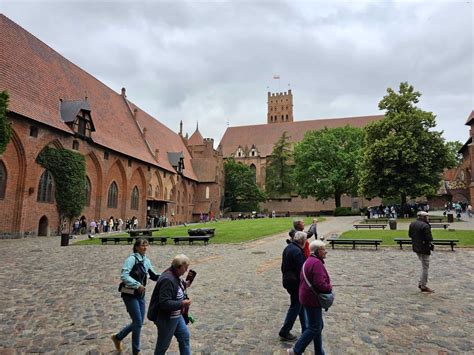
213, 62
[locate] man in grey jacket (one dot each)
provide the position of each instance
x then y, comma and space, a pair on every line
420, 234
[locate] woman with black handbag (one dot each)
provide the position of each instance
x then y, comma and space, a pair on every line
134, 277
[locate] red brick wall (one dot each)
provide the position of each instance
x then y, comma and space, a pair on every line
19, 210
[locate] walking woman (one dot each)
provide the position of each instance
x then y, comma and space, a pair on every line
134, 276
169, 305
318, 277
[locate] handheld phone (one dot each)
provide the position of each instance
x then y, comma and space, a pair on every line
191, 276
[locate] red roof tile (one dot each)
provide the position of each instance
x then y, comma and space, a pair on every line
264, 136
196, 138
470, 119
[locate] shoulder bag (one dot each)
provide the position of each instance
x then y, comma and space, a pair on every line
325, 299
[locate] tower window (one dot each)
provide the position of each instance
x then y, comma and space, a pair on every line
75, 145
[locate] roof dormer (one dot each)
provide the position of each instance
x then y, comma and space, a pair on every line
176, 160
239, 153
77, 115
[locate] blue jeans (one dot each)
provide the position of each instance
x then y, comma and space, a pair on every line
313, 332
166, 329
294, 311
136, 310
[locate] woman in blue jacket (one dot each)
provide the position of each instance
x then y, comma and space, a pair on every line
134, 277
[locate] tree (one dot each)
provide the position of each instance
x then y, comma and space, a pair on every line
241, 193
325, 162
69, 172
453, 153
402, 155
5, 128
278, 180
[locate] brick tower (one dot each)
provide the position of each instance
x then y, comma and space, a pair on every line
280, 107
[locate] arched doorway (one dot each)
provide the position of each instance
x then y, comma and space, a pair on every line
43, 226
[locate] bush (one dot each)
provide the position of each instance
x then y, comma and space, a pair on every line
345, 211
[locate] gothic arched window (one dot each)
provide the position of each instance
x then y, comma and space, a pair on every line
45, 187
112, 196
3, 180
135, 197
88, 191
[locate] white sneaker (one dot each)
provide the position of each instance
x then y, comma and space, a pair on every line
290, 351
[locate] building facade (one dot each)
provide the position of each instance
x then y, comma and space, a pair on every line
252, 145
135, 165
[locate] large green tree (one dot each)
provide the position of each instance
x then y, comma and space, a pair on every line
278, 179
5, 128
403, 155
453, 153
325, 163
241, 193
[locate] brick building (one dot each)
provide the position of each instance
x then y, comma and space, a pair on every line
253, 144
135, 165
458, 183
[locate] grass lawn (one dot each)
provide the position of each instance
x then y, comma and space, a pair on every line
465, 237
230, 231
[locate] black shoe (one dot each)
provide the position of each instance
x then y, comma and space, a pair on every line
287, 337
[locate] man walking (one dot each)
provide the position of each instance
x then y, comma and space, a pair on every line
292, 260
420, 234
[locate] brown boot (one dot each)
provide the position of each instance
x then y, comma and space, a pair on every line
117, 343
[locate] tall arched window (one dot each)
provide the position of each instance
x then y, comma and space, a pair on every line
157, 191
3, 180
112, 196
135, 197
45, 187
88, 191
150, 191
254, 171
207, 192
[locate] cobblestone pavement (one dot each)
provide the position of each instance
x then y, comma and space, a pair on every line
64, 300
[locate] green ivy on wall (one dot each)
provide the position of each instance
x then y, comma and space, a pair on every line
5, 128
69, 172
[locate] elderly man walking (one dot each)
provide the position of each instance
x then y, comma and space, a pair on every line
420, 234
292, 261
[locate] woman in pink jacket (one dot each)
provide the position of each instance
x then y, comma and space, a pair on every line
318, 276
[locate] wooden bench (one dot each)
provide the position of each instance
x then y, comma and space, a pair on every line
436, 219
202, 232
370, 226
116, 239
142, 232
355, 242
130, 239
439, 225
450, 242
192, 238
376, 220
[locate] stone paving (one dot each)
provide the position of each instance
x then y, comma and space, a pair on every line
64, 300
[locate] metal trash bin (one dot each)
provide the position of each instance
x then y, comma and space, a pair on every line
450, 217
392, 222
64, 239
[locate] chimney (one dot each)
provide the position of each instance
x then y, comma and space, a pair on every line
135, 113
123, 92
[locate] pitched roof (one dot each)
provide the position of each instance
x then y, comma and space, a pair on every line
205, 169
37, 77
264, 136
161, 138
196, 138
